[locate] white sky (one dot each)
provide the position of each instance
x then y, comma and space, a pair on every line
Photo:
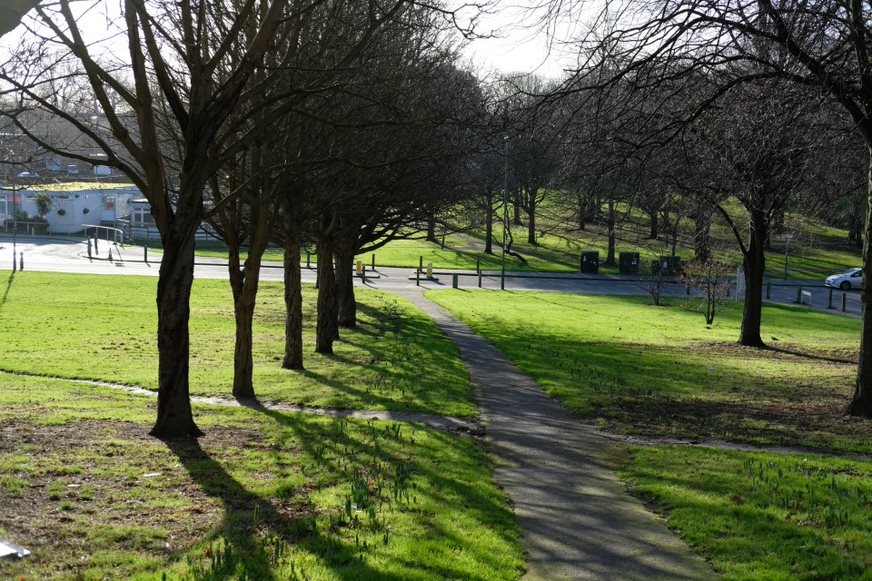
514, 42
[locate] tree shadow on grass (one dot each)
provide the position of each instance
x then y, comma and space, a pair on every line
256, 529
375, 447
9, 282
806, 355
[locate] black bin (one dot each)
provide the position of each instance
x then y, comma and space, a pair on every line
670, 265
628, 263
590, 262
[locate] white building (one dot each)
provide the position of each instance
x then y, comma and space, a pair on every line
73, 206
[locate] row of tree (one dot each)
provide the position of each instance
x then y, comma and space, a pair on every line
346, 124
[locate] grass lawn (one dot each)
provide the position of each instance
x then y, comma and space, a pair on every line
760, 515
104, 328
264, 495
658, 371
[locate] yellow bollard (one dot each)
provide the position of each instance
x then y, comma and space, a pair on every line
429, 270
359, 267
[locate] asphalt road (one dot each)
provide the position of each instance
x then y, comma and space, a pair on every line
60, 255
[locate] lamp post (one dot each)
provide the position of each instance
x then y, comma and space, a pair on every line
505, 211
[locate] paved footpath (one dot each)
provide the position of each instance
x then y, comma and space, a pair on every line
577, 519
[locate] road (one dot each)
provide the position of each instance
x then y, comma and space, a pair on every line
61, 255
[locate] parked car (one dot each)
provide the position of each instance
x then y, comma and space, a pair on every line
849, 279
28, 174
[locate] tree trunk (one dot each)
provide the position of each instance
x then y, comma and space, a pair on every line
861, 403
489, 221
581, 199
516, 209
755, 264
654, 226
347, 306
174, 416
294, 306
701, 228
531, 220
431, 228
610, 256
327, 327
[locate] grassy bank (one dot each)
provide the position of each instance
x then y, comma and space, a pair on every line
102, 327
264, 495
659, 371
759, 515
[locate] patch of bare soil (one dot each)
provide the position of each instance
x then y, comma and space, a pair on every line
818, 424
779, 351
90, 495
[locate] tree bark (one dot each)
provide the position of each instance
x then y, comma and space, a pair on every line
431, 228
516, 209
327, 326
755, 263
861, 403
531, 220
653, 223
294, 306
583, 204
701, 228
347, 306
610, 256
174, 415
489, 221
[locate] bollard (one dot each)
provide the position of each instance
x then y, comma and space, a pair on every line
687, 289
89, 248
503, 279
799, 296
359, 266
308, 259
453, 281
479, 279
418, 277
373, 260
145, 254
768, 289
110, 255
478, 265
844, 302
21, 259
420, 264
14, 264
96, 248
830, 299
429, 270
363, 272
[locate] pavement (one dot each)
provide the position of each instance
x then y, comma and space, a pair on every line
70, 255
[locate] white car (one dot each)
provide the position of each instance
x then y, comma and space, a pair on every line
847, 280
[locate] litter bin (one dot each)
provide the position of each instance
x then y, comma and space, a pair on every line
590, 262
671, 265
628, 263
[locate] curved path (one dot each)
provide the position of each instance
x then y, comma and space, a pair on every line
577, 518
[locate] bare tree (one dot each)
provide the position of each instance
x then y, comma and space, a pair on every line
173, 58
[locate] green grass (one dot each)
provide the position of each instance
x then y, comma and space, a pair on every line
103, 328
264, 495
761, 515
659, 371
